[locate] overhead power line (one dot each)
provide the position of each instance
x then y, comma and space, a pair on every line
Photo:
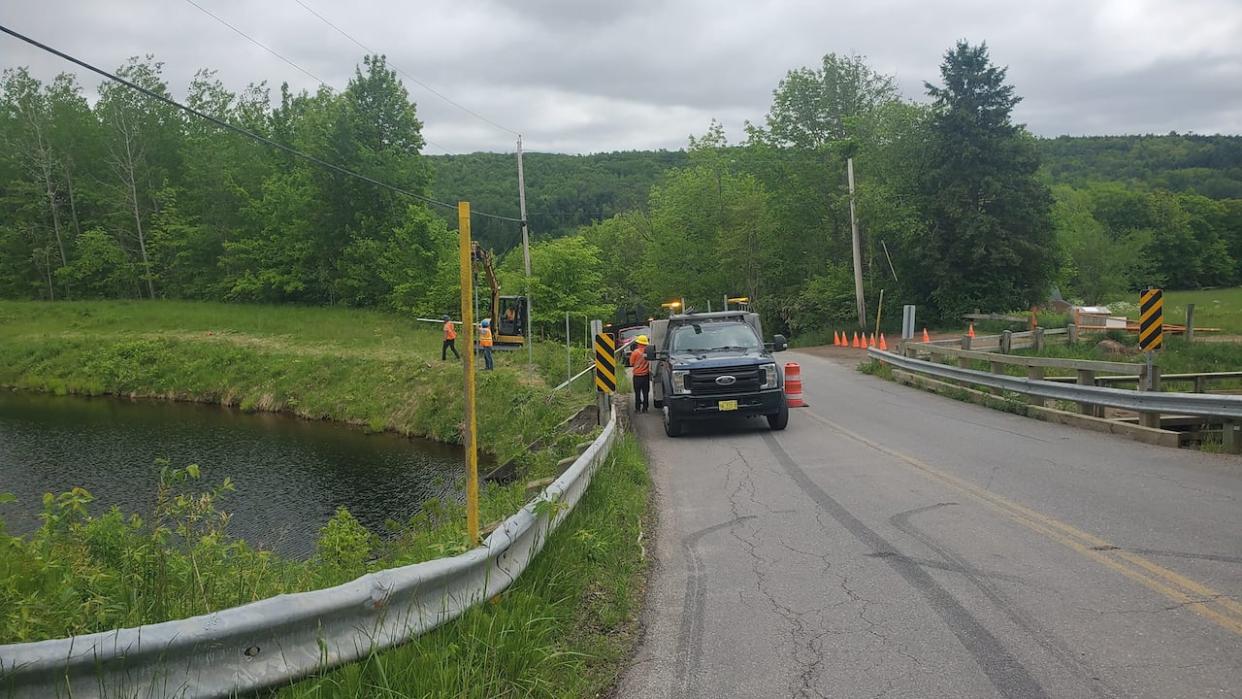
286, 58
258, 43
239, 130
409, 77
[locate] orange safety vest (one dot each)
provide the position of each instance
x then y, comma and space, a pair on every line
450, 333
485, 337
638, 360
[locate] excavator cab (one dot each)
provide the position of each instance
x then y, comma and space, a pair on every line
511, 320
509, 314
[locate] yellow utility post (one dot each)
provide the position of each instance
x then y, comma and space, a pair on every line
471, 440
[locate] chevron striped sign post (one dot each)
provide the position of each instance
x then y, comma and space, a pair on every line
1151, 320
605, 363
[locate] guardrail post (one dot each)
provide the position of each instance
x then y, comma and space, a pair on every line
1071, 334
1036, 373
1231, 437
1200, 384
1149, 382
1086, 377
1037, 336
1006, 342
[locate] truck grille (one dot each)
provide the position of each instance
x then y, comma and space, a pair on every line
703, 381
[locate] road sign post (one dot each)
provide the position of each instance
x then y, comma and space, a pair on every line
1151, 340
470, 432
605, 370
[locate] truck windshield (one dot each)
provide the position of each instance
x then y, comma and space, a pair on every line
712, 337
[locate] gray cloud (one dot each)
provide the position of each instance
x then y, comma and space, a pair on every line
579, 76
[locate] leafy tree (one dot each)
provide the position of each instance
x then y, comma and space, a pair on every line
102, 269
567, 276
142, 147
814, 107
989, 241
1099, 265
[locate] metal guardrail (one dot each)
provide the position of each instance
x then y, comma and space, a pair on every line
277, 640
1207, 405
590, 367
1022, 360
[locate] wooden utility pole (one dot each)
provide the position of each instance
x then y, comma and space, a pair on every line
530, 310
858, 280
470, 430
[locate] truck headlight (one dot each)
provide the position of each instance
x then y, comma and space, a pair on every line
771, 377
681, 381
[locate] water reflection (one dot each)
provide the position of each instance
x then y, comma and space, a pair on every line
291, 474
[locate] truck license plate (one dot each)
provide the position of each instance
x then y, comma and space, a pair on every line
726, 405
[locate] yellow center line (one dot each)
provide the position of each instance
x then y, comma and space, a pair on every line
1195, 596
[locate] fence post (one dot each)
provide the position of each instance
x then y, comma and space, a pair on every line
962, 361
1037, 338
1200, 384
1006, 342
1149, 382
1086, 377
1071, 334
1190, 322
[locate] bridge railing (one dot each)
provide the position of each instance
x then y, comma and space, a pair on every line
1216, 408
275, 641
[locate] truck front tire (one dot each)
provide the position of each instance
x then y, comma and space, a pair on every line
780, 419
672, 426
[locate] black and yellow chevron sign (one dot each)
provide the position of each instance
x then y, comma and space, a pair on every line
1151, 319
605, 363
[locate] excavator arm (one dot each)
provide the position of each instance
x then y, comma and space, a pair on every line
487, 261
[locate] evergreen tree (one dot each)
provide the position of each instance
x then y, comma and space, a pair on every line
989, 242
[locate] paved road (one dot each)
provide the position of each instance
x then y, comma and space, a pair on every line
894, 543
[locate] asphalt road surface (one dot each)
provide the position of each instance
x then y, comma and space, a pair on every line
895, 543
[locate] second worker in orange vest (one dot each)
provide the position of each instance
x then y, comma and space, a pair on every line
450, 339
485, 342
642, 374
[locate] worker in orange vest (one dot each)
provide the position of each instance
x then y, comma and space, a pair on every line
450, 340
642, 374
485, 342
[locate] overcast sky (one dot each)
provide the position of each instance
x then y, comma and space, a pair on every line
580, 76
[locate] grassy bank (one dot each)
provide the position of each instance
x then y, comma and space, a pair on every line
362, 367
88, 569
562, 630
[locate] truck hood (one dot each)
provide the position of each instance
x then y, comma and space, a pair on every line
719, 360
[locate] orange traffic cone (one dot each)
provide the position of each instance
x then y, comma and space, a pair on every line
971, 333
793, 386
926, 337
855, 345
871, 340
883, 344
836, 339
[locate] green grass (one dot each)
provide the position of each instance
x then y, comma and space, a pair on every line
562, 630
368, 368
85, 571
1214, 308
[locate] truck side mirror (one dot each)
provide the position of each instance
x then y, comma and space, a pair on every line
650, 353
779, 343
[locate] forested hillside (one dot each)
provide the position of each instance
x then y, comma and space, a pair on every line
959, 207
568, 191
563, 191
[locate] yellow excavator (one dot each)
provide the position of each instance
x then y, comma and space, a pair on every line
509, 314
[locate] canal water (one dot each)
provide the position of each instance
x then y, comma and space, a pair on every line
291, 474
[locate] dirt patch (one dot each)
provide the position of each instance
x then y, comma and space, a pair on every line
847, 356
